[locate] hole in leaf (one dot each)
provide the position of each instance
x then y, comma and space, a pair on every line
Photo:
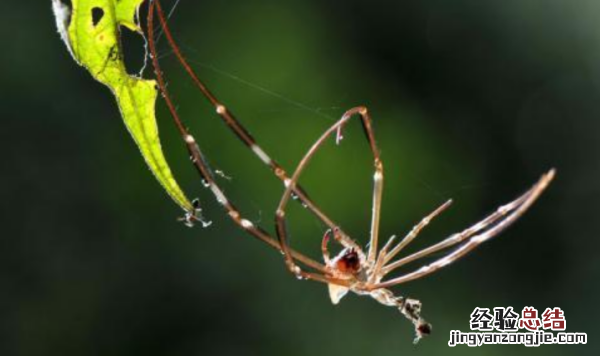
97, 15
133, 47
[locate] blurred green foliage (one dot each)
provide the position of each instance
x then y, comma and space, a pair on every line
471, 100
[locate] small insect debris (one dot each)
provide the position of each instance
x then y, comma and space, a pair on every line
354, 269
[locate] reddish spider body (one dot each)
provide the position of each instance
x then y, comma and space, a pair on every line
348, 263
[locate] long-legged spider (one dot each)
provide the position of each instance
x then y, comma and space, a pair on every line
352, 269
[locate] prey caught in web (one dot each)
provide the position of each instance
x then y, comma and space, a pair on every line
366, 272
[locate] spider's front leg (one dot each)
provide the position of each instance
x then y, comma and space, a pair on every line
281, 225
229, 119
291, 185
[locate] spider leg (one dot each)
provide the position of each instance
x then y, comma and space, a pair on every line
410, 308
280, 220
236, 127
366, 121
206, 173
415, 231
324, 248
374, 273
494, 223
384, 256
465, 234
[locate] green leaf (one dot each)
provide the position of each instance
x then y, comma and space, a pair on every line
91, 31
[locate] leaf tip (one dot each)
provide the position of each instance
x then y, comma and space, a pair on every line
62, 15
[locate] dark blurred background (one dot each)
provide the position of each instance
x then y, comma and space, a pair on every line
472, 100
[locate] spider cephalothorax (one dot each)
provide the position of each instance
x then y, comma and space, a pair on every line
348, 262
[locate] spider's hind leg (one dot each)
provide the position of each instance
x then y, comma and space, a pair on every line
410, 308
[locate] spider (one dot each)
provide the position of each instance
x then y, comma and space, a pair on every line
362, 272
